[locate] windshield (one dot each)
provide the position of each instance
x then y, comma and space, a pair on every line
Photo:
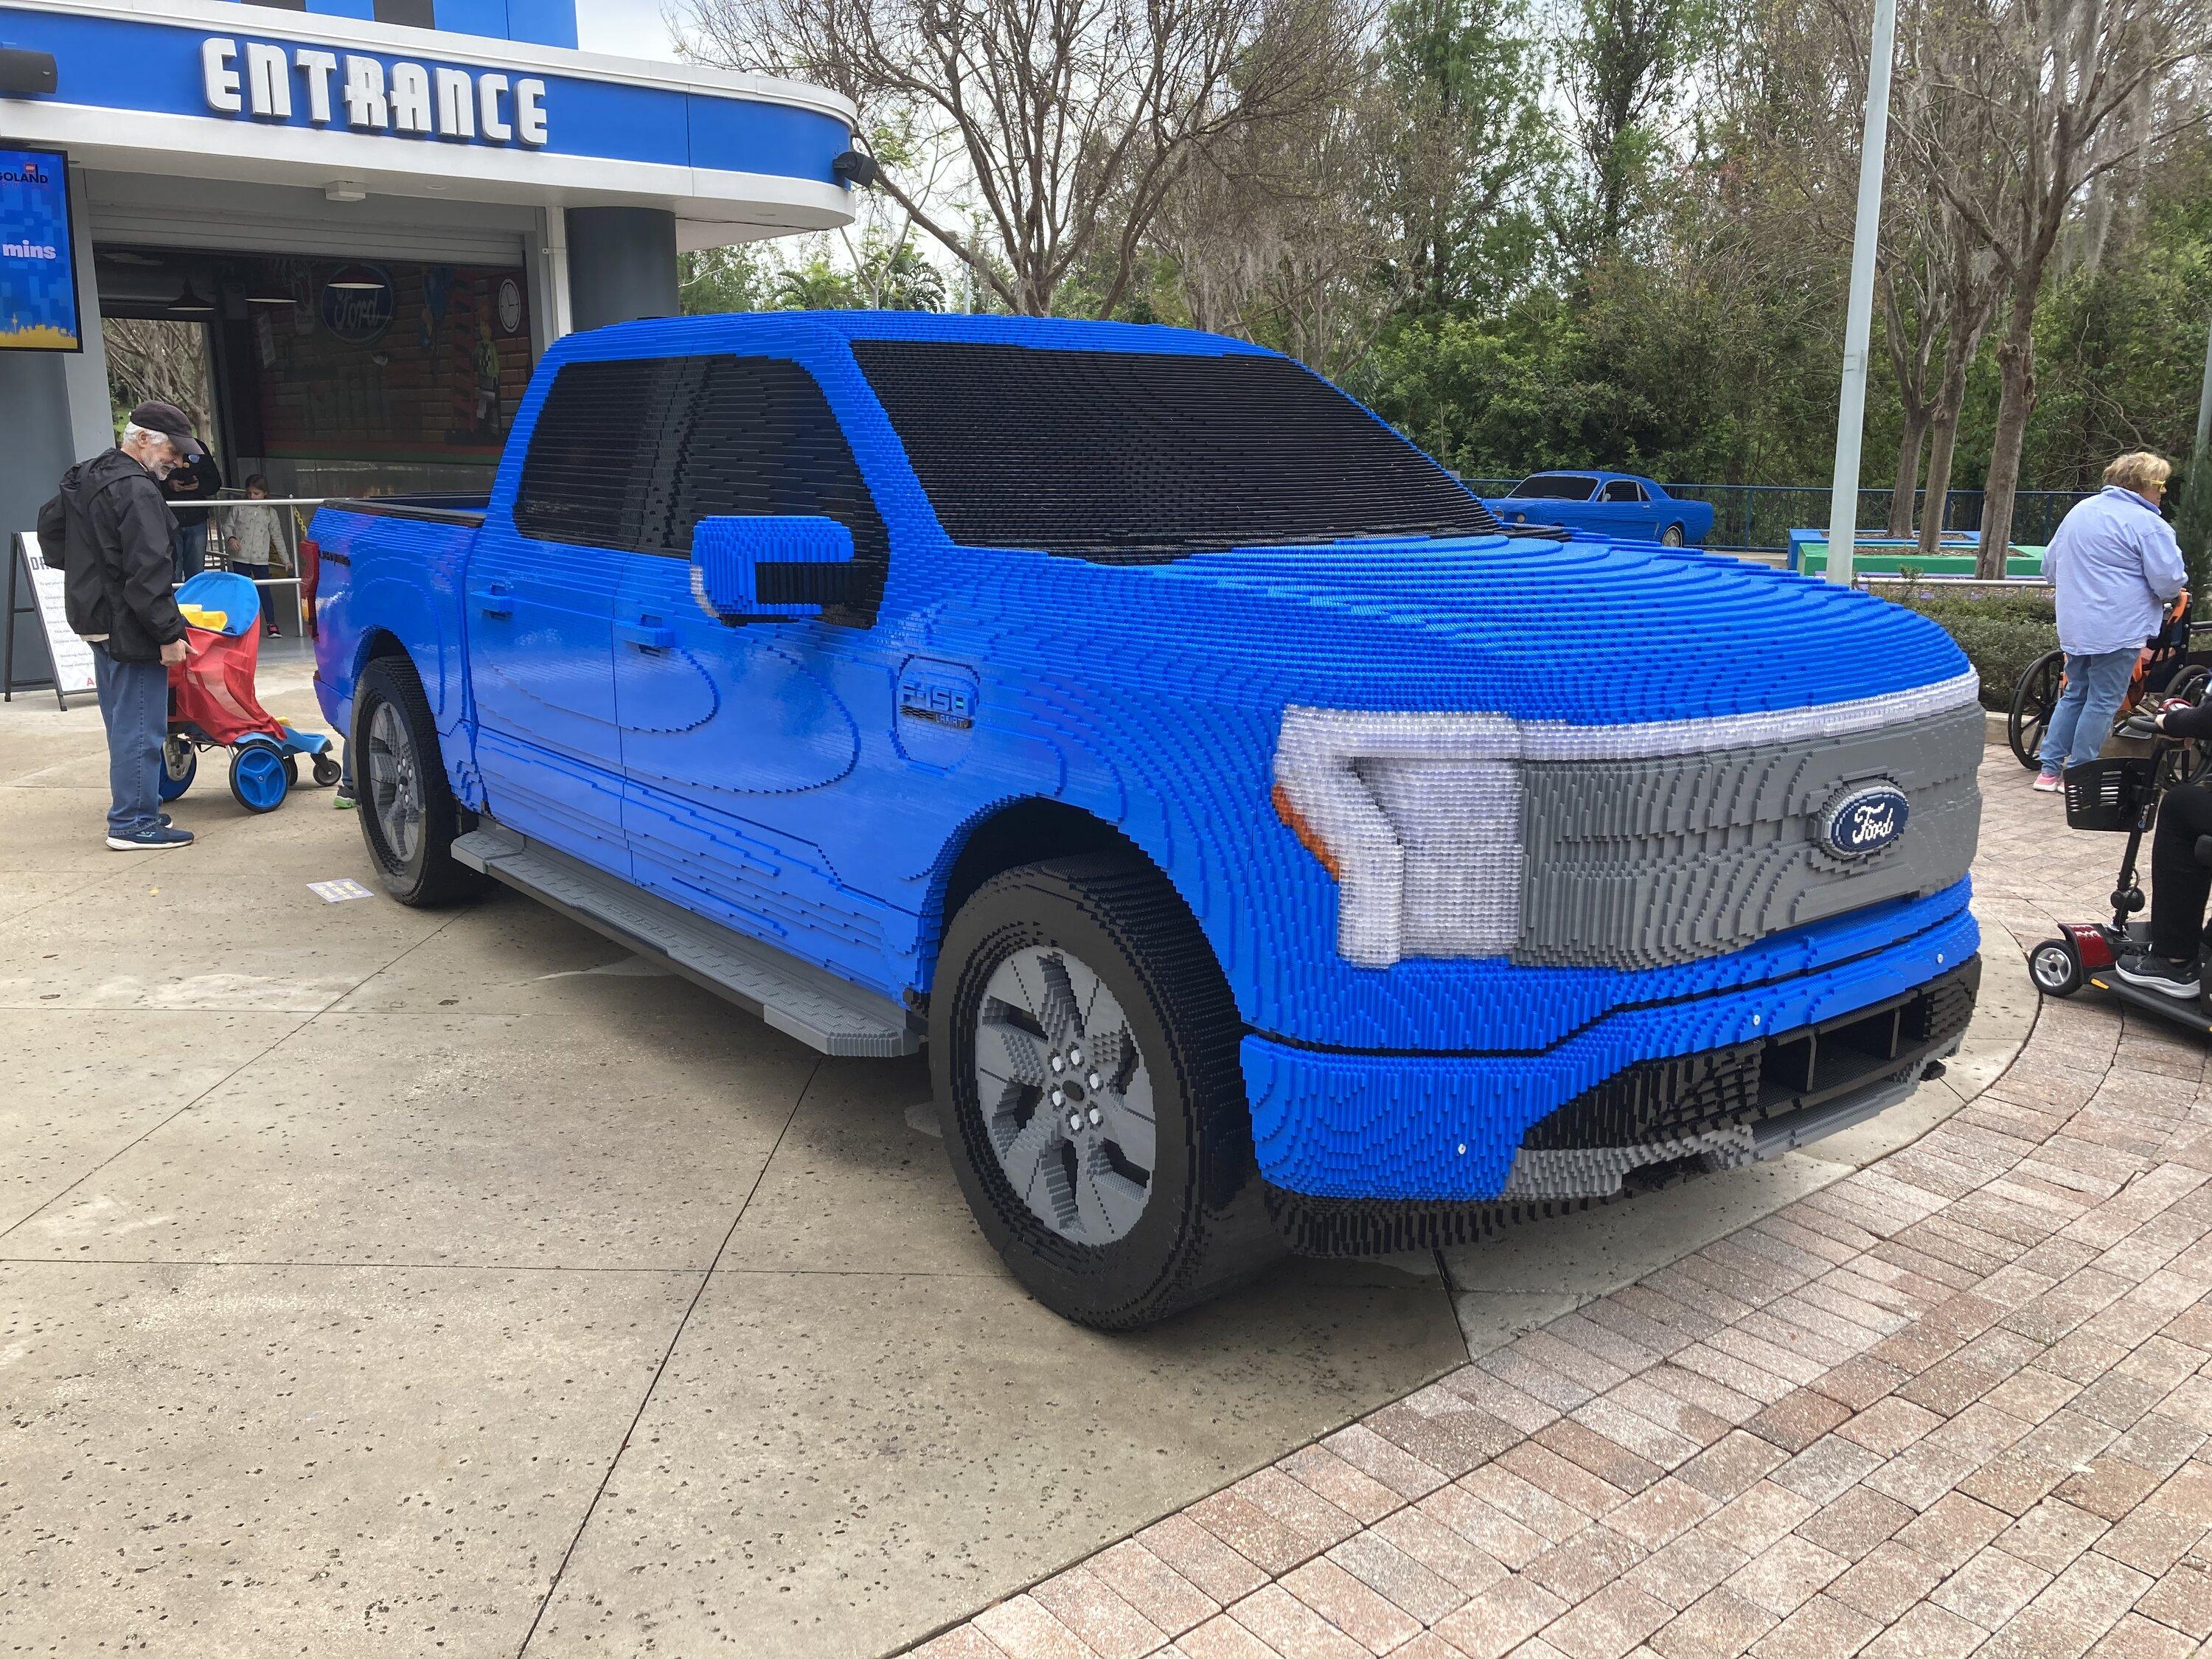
1554, 487
1142, 456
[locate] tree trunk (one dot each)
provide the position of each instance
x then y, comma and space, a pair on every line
1943, 439
2015, 400
1908, 473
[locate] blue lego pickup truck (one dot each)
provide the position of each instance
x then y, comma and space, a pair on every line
1272, 853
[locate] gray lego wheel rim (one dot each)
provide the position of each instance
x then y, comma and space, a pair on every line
1065, 1096
395, 784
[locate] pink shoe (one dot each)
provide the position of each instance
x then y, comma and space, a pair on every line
2049, 783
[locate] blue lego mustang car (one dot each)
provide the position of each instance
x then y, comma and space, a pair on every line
1184, 758
1608, 504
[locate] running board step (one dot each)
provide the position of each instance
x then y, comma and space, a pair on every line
795, 997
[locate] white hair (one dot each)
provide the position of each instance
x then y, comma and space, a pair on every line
132, 433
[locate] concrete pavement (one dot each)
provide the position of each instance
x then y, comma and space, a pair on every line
373, 1280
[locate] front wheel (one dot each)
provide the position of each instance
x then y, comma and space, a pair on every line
408, 818
2033, 700
1084, 1051
2055, 969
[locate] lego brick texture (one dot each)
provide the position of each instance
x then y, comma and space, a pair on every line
1633, 864
1132, 539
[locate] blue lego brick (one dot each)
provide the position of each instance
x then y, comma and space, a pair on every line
1431, 1126
813, 783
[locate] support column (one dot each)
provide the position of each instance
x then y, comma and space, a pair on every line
622, 265
53, 405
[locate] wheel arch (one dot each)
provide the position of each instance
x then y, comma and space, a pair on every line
1026, 829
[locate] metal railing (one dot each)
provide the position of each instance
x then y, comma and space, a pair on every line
295, 512
1759, 517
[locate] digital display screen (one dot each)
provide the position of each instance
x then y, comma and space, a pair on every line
38, 254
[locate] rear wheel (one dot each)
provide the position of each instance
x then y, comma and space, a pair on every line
408, 818
180, 763
1083, 1047
1671, 536
2032, 702
259, 778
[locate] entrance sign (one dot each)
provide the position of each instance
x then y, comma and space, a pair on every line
38, 254
371, 95
33, 589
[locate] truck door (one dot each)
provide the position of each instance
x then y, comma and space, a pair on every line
540, 610
741, 744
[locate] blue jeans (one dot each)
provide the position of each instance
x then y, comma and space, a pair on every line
2083, 719
134, 703
191, 550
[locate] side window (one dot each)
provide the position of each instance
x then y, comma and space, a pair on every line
1621, 489
589, 477
758, 437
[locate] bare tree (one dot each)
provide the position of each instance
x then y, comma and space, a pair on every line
158, 359
2057, 81
1074, 119
1276, 236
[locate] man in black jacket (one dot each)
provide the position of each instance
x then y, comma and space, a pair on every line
109, 531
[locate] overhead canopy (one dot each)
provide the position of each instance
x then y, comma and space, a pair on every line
210, 90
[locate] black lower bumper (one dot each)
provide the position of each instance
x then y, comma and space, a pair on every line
1756, 1099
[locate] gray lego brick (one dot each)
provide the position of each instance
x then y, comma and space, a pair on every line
797, 998
1597, 1171
1642, 863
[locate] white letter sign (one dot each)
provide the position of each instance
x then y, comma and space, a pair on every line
215, 59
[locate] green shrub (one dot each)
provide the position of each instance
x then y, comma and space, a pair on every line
2002, 630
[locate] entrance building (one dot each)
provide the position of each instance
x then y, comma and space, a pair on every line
369, 216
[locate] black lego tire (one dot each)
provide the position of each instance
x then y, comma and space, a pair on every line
1203, 1228
327, 770
430, 875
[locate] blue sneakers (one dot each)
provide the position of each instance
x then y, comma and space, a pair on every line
155, 838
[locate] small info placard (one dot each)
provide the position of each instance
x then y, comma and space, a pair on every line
72, 656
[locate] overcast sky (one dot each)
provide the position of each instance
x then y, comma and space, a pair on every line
625, 28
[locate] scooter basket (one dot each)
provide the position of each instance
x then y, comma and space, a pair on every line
2110, 795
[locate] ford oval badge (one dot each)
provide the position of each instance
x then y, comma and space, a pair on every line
1862, 821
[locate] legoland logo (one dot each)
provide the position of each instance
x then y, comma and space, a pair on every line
29, 173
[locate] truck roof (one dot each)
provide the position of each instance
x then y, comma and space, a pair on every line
662, 334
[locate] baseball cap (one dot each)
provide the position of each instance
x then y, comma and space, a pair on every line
171, 423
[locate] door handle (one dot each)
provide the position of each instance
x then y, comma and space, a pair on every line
494, 599
644, 636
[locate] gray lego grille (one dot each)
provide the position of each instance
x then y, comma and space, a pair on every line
1642, 863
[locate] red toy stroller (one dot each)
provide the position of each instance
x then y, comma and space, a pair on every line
212, 705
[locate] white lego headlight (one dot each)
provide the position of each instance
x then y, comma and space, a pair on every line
1418, 818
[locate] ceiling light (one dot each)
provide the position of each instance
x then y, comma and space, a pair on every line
355, 285
344, 190
189, 303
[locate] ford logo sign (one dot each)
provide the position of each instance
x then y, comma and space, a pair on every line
1862, 821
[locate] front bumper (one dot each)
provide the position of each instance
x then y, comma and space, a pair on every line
1378, 1151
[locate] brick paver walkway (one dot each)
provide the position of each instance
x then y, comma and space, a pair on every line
1956, 1403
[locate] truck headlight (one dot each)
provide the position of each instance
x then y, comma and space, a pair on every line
1418, 818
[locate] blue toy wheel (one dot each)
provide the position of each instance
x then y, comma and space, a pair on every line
256, 777
180, 763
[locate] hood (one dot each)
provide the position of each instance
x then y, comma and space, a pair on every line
1588, 632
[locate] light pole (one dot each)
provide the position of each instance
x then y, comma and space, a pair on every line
1858, 318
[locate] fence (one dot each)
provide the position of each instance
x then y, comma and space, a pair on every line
1759, 517
280, 595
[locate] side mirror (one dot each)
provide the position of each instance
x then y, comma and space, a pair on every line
756, 568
